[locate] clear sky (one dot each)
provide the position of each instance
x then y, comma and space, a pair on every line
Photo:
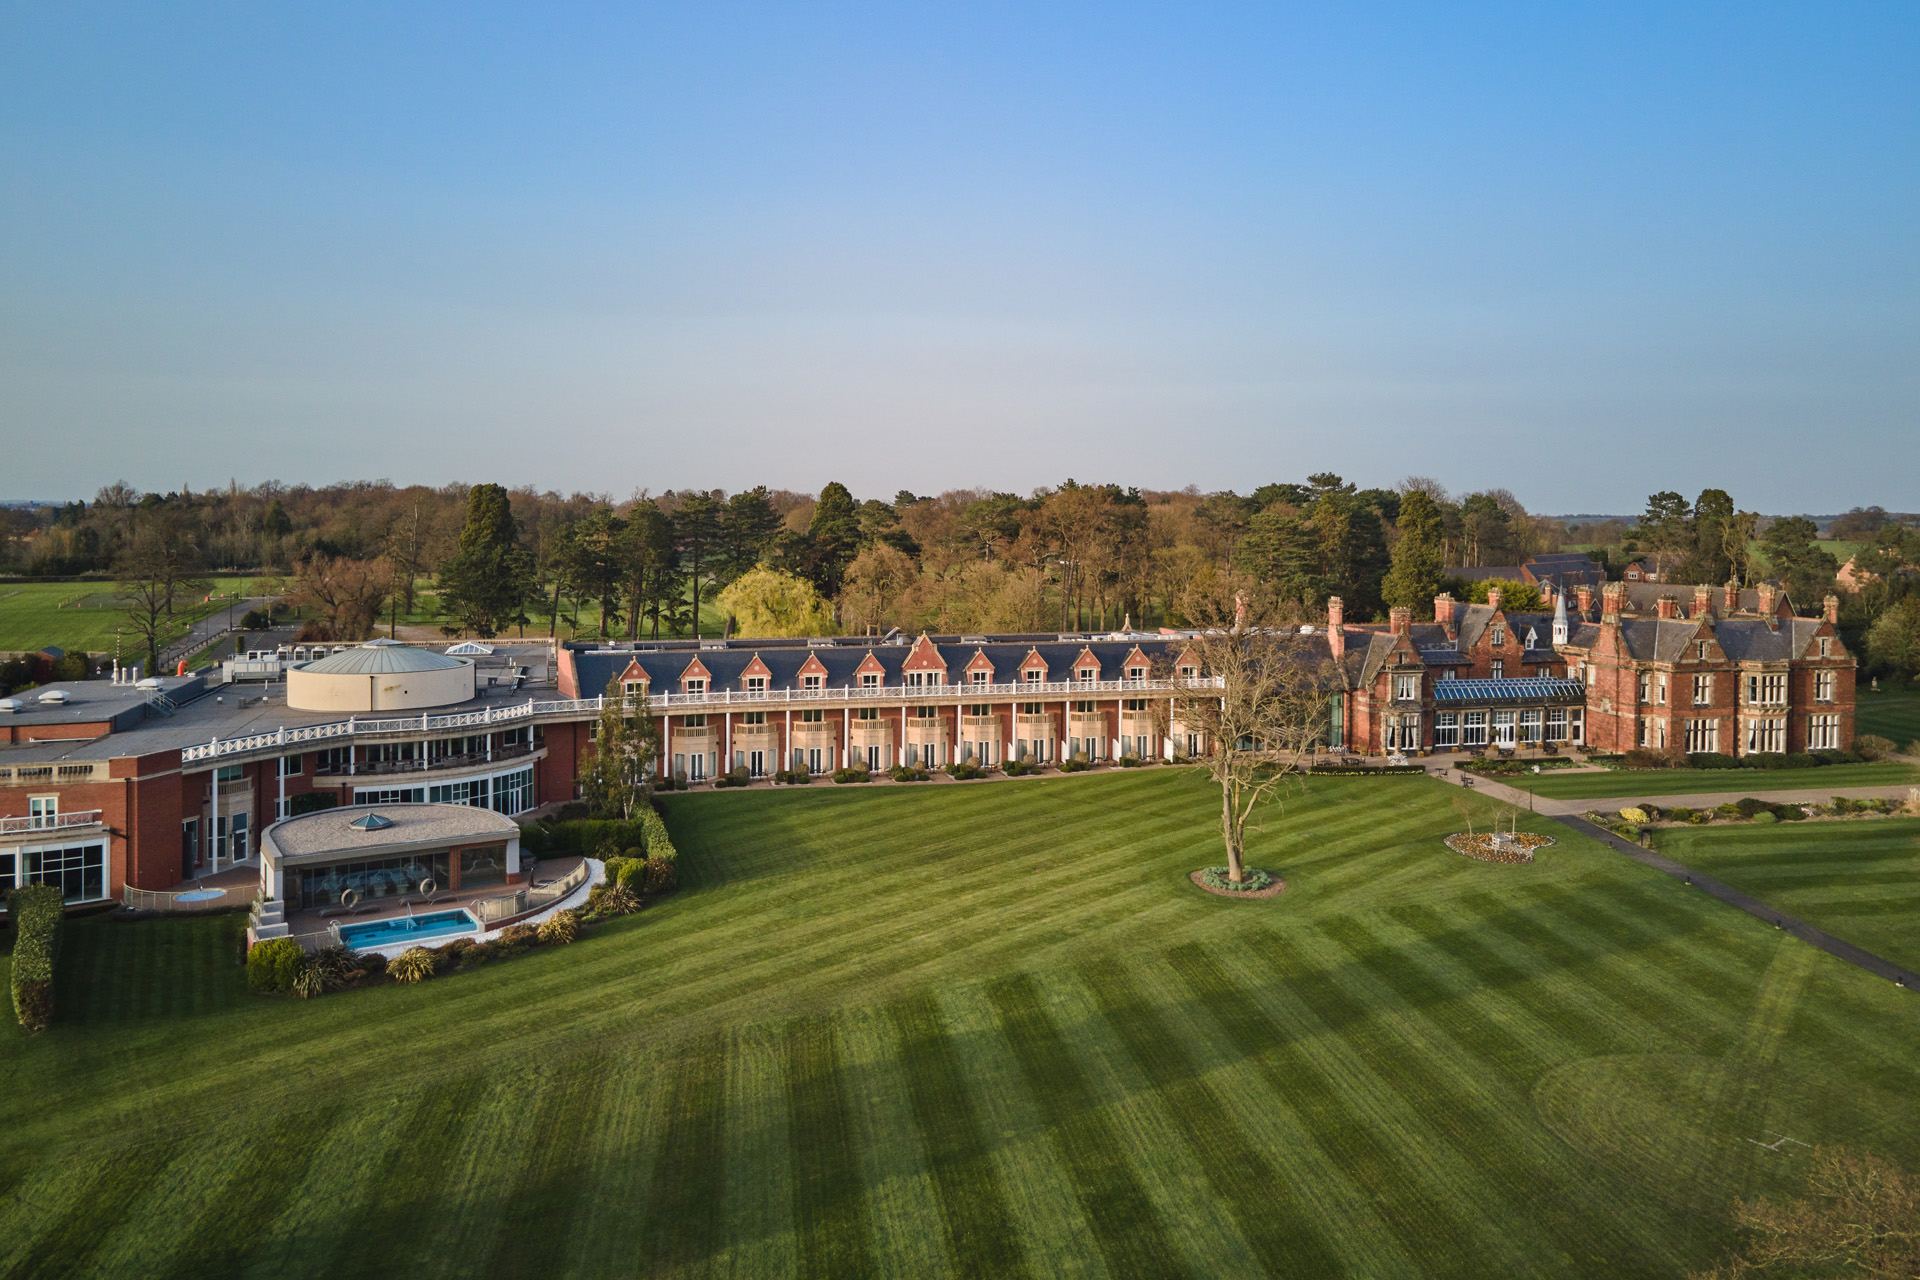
1583, 252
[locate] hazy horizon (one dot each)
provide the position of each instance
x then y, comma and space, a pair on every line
1583, 254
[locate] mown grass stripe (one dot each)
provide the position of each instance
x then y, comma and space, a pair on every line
684, 1202
1125, 1224
829, 1200
1275, 1222
980, 1235
544, 1202
79, 1224
1417, 1220
225, 1232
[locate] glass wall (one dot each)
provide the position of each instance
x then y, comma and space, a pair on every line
479, 867
322, 886
79, 871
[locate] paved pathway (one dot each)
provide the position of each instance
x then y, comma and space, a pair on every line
1566, 812
1613, 804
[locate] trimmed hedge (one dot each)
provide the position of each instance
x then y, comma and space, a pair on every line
590, 836
1346, 770
37, 914
274, 966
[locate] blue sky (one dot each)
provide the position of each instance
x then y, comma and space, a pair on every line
1582, 252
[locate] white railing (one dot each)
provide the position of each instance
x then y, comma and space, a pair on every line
489, 911
173, 903
50, 821
672, 702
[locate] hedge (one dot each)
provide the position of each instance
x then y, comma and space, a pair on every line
588, 836
1341, 770
36, 913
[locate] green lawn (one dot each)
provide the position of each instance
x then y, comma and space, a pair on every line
1893, 714
82, 616
977, 1030
1677, 782
1858, 880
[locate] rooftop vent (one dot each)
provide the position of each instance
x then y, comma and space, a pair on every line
55, 696
151, 682
9, 704
371, 822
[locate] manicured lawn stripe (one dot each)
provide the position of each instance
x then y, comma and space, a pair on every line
683, 1218
1750, 782
74, 1226
1411, 1212
1274, 1221
829, 1202
1130, 1238
980, 1234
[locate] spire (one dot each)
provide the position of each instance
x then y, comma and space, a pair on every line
1559, 618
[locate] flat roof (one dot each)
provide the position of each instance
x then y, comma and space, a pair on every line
331, 831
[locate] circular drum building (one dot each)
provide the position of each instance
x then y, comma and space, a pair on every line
380, 675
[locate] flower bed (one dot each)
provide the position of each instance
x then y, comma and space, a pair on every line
1258, 883
1518, 848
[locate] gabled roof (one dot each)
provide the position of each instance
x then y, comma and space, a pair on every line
695, 670
632, 672
924, 657
812, 667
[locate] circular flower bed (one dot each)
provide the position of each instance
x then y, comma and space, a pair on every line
1257, 884
1512, 849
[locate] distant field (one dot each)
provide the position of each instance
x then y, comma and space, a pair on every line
986, 1031
1893, 714
1858, 880
1674, 782
83, 616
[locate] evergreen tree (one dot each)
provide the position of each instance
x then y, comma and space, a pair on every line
697, 532
748, 530
1415, 576
834, 537
485, 584
1793, 556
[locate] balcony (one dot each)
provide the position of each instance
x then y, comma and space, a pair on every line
45, 823
433, 764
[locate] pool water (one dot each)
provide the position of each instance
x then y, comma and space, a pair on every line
437, 924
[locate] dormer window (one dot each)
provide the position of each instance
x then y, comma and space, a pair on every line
634, 689
809, 682
980, 677
1033, 677
756, 684
1140, 673
869, 680
1088, 674
696, 684
1186, 673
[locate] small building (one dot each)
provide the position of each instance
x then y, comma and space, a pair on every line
386, 852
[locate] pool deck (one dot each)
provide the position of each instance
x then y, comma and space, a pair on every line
315, 920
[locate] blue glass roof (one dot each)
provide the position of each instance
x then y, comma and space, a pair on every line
1530, 689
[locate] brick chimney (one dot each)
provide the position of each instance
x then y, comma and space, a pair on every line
1702, 600
1443, 610
1336, 626
1401, 620
1669, 607
1493, 598
1584, 593
1833, 610
1769, 598
1612, 597
1732, 598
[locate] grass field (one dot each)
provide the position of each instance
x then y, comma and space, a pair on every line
977, 1030
82, 616
1676, 782
1858, 880
1894, 715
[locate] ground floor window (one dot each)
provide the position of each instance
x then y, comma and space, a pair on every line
1768, 735
390, 795
1446, 729
322, 886
1402, 732
1530, 721
1556, 724
468, 791
1473, 728
78, 871
1337, 722
483, 866
513, 792
1823, 733
1703, 736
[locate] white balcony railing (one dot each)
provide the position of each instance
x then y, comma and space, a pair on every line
1048, 691
50, 822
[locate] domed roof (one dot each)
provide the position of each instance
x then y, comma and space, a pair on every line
380, 658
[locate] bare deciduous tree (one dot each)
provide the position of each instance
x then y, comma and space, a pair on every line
1860, 1216
1260, 696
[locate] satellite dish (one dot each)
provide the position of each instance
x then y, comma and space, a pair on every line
351, 898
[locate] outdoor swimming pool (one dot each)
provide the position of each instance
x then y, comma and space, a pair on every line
379, 933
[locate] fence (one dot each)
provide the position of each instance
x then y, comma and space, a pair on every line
190, 900
491, 911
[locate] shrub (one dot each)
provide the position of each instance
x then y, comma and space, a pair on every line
449, 956
654, 837
1075, 765
1627, 831
618, 900
1768, 760
793, 777
1791, 813
374, 964
1128, 762
1636, 816
1643, 758
310, 981
661, 874
1712, 760
847, 774
1871, 746
1700, 817
1749, 806
633, 874
1021, 768
560, 928
909, 773
1765, 816
1254, 879
274, 965
478, 954
1803, 760
415, 964
37, 917
966, 770
519, 936
1680, 813
738, 777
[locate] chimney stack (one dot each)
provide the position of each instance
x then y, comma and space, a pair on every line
1585, 590
1833, 610
1336, 626
1611, 598
1732, 597
1493, 598
1401, 620
1702, 600
1669, 607
1443, 610
1769, 599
